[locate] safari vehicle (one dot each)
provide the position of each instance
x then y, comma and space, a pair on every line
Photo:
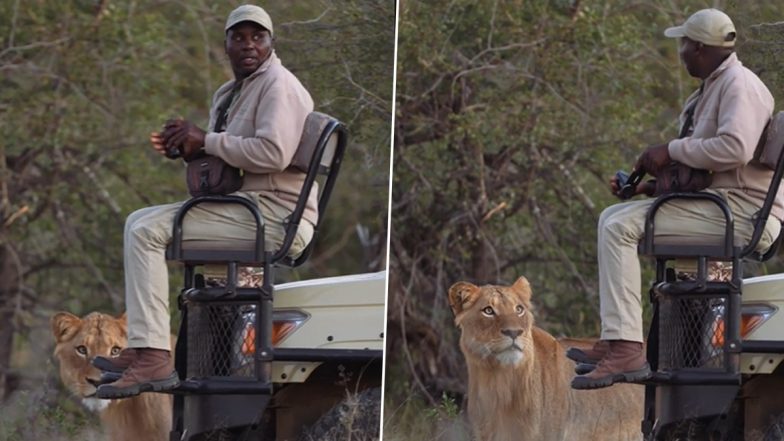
276, 362
716, 346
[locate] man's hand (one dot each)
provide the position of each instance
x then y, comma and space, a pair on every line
157, 143
180, 134
653, 159
615, 186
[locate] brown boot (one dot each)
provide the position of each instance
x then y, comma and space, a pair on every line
624, 363
116, 364
152, 371
589, 356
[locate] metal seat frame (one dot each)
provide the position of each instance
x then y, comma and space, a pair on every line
260, 387
695, 382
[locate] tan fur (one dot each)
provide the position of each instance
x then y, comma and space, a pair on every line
145, 417
519, 389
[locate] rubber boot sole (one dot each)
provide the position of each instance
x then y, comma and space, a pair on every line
579, 368
108, 391
109, 377
578, 356
106, 365
582, 382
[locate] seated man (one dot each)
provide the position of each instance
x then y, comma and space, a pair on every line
722, 123
259, 131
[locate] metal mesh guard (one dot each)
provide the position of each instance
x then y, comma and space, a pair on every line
220, 340
691, 332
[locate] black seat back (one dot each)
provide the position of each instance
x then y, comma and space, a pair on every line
320, 153
770, 153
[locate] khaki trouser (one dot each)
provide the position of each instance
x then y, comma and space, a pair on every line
147, 233
621, 228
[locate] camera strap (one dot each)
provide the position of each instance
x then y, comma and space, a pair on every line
688, 121
223, 108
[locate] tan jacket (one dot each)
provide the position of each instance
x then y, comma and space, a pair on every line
729, 119
263, 129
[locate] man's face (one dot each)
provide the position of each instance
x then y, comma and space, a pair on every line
688, 52
248, 45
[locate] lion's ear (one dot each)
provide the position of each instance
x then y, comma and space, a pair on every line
461, 295
64, 326
522, 287
122, 324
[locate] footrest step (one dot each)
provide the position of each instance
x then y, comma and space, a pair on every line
223, 386
692, 377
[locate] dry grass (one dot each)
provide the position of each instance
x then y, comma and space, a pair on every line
411, 418
46, 413
357, 418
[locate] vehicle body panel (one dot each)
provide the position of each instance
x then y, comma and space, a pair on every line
345, 312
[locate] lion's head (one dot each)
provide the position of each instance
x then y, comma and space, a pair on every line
79, 340
495, 320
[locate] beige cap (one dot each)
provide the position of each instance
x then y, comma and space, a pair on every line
251, 13
708, 26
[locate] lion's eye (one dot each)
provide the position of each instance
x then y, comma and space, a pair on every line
488, 311
520, 310
81, 349
116, 351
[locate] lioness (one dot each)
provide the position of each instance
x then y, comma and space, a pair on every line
78, 340
519, 376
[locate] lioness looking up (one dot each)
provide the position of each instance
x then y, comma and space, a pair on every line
518, 375
145, 417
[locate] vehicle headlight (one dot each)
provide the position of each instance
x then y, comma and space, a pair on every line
284, 323
752, 317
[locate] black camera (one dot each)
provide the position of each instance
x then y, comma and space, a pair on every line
627, 184
173, 153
